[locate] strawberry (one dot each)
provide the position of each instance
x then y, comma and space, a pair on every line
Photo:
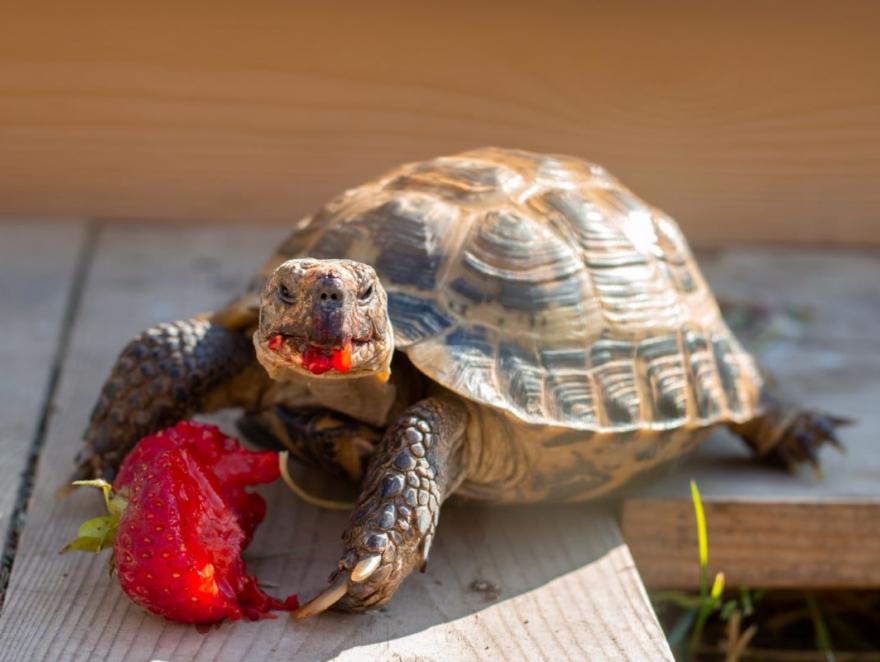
179, 519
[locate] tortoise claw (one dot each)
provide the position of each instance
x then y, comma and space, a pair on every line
805, 434
326, 598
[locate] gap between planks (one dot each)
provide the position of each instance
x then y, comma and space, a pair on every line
39, 321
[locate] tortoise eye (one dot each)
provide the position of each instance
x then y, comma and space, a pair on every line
366, 293
285, 294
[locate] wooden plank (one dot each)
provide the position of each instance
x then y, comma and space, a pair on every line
568, 586
38, 263
746, 121
769, 528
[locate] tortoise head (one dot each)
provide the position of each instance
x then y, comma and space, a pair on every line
324, 317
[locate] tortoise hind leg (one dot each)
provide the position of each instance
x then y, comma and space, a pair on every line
162, 376
786, 435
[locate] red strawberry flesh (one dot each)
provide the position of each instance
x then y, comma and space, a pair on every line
276, 342
316, 359
188, 517
319, 360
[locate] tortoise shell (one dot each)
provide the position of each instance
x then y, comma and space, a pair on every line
542, 287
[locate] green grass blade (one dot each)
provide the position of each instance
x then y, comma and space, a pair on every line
702, 539
823, 639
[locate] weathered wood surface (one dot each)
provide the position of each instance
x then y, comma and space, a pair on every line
768, 528
38, 264
746, 121
568, 586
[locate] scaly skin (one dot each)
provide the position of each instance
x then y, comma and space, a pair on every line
787, 435
160, 377
416, 467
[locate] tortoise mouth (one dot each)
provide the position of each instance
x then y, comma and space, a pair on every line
318, 358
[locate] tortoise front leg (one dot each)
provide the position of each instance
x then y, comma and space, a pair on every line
417, 465
162, 376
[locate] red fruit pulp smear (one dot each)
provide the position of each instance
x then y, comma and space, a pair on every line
318, 360
341, 359
275, 342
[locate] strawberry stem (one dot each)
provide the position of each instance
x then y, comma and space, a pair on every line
98, 533
115, 503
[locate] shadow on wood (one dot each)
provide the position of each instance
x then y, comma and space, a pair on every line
552, 569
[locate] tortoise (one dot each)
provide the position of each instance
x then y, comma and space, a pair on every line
503, 325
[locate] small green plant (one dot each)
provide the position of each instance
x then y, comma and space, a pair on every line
699, 608
710, 600
839, 613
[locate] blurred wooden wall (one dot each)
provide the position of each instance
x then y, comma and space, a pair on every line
746, 120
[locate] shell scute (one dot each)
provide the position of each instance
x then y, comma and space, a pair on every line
612, 367
660, 366
521, 378
572, 397
464, 356
458, 179
400, 237
703, 375
416, 317
521, 264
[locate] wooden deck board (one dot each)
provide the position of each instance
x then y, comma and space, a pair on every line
768, 528
34, 294
568, 586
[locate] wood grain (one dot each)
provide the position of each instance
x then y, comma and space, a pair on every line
568, 586
746, 121
33, 296
768, 528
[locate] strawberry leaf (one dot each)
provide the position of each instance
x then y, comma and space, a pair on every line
103, 528
82, 545
98, 533
95, 535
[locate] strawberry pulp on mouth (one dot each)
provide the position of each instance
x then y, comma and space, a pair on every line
276, 342
319, 360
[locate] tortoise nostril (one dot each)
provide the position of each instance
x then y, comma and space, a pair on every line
330, 291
